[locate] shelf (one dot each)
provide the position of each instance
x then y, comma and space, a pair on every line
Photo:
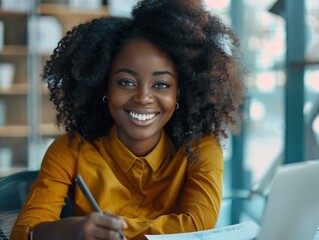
22, 131
14, 50
12, 13
15, 89
64, 10
21, 89
18, 97
50, 130
13, 131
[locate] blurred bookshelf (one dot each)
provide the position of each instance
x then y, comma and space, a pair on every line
29, 31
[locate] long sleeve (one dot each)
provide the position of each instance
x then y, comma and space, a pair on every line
47, 194
163, 192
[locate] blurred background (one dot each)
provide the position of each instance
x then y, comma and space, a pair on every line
280, 52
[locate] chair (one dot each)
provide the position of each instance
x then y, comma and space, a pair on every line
14, 190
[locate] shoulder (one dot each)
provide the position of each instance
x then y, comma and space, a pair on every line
62, 143
207, 145
209, 154
63, 153
61, 159
74, 145
209, 141
210, 148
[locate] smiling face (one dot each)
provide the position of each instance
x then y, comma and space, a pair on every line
142, 92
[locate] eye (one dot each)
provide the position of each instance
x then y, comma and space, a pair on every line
161, 85
125, 83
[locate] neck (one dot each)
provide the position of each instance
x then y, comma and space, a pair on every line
141, 148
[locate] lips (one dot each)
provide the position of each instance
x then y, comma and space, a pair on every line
142, 117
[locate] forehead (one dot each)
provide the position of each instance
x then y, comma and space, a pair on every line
138, 52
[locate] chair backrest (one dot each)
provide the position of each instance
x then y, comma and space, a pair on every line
2, 236
14, 190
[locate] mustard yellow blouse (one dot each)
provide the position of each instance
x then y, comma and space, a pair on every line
162, 192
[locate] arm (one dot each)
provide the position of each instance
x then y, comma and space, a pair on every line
42, 209
46, 197
200, 201
93, 226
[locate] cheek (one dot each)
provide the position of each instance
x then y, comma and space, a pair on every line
116, 98
169, 103
115, 103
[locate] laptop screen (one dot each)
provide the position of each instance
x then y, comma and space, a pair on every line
292, 210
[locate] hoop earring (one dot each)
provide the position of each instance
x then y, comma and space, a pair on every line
176, 106
104, 99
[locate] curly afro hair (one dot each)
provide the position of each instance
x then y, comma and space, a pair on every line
204, 50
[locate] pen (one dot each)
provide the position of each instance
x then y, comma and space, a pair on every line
90, 197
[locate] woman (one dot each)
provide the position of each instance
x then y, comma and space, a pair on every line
145, 102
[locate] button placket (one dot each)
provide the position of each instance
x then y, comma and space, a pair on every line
145, 174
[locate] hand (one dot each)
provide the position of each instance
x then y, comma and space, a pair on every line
100, 226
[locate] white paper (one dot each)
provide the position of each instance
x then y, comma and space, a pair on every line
242, 231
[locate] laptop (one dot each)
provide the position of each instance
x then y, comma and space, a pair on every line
292, 209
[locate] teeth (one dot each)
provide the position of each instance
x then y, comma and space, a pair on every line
141, 117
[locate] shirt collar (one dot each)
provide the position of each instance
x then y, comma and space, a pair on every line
125, 158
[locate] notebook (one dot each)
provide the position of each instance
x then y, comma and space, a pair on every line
291, 212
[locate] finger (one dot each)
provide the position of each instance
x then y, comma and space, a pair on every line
108, 221
98, 226
120, 218
124, 224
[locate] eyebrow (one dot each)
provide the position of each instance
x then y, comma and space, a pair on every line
162, 72
126, 70
130, 71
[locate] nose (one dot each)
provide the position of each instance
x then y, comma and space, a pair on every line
143, 95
